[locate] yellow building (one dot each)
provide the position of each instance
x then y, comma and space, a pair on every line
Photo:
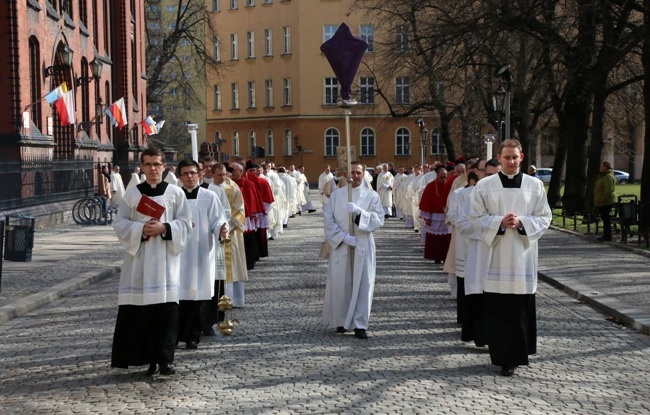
277, 92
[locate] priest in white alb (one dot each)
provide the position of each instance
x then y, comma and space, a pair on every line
352, 262
199, 257
510, 212
148, 293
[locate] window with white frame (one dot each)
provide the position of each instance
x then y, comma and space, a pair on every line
268, 84
269, 142
185, 42
251, 94
267, 1
437, 146
235, 143
234, 88
250, 41
287, 142
217, 98
250, 3
366, 90
268, 42
252, 144
367, 33
367, 142
402, 90
172, 91
286, 40
440, 90
233, 47
331, 141
233, 4
216, 53
402, 141
331, 92
171, 9
216, 6
286, 91
328, 31
171, 25
401, 39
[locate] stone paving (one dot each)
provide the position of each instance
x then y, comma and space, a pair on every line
281, 358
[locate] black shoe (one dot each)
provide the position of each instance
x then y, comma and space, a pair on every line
153, 370
340, 330
386, 216
284, 226
507, 371
167, 369
360, 334
271, 238
311, 210
292, 216
191, 345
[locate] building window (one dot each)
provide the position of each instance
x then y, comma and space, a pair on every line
250, 50
367, 90
234, 87
268, 42
235, 143
367, 142
250, 3
402, 140
331, 91
252, 144
437, 146
185, 42
217, 98
172, 91
286, 40
328, 31
233, 47
171, 9
35, 81
287, 142
216, 53
251, 94
215, 5
269, 142
367, 33
267, 1
401, 39
331, 141
286, 91
402, 90
269, 92
233, 4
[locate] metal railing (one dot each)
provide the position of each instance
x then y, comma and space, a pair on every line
33, 182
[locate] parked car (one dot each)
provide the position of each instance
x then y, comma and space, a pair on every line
544, 174
621, 177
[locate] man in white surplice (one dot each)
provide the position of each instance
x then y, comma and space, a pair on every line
510, 212
147, 317
352, 262
385, 189
117, 187
198, 258
324, 177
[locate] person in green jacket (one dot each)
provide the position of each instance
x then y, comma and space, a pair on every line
605, 197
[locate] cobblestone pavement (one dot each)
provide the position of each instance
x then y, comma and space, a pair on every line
281, 358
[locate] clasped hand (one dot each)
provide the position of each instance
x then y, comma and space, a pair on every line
153, 228
511, 221
353, 208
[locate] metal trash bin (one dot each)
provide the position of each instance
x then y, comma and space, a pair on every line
19, 238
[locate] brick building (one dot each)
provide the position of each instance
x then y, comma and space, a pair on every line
97, 48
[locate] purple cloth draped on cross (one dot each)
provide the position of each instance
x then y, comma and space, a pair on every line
344, 52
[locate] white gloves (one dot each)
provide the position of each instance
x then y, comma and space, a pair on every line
353, 208
349, 239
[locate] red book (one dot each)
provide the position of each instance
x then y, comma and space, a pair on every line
150, 207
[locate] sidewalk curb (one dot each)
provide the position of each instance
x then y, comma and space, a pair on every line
621, 312
39, 299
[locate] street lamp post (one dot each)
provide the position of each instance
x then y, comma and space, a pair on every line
423, 139
499, 106
192, 129
503, 73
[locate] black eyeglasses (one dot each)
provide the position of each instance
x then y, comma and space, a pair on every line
154, 165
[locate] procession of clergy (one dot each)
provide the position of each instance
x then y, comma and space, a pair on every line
482, 218
188, 240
